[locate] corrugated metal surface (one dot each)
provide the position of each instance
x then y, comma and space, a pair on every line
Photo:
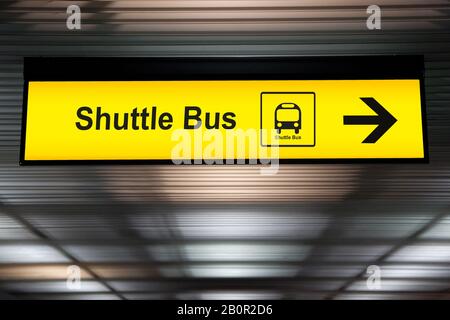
198, 232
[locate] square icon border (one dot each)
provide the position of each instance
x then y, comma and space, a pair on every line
261, 119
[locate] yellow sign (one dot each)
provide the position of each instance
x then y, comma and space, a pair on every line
290, 119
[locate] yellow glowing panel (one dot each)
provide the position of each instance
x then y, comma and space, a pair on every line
61, 118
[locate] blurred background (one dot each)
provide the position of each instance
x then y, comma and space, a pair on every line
216, 232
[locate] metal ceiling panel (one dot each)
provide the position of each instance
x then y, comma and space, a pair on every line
213, 232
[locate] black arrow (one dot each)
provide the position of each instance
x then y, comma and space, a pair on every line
383, 119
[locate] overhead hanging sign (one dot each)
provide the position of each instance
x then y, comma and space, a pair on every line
211, 113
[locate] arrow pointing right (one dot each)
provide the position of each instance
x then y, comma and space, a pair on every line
383, 119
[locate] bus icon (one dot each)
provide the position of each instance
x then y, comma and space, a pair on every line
288, 116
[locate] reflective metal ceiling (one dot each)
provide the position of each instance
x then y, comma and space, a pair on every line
149, 232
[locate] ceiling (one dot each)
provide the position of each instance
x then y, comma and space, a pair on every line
213, 232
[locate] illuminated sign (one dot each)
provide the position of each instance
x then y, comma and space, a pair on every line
219, 113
